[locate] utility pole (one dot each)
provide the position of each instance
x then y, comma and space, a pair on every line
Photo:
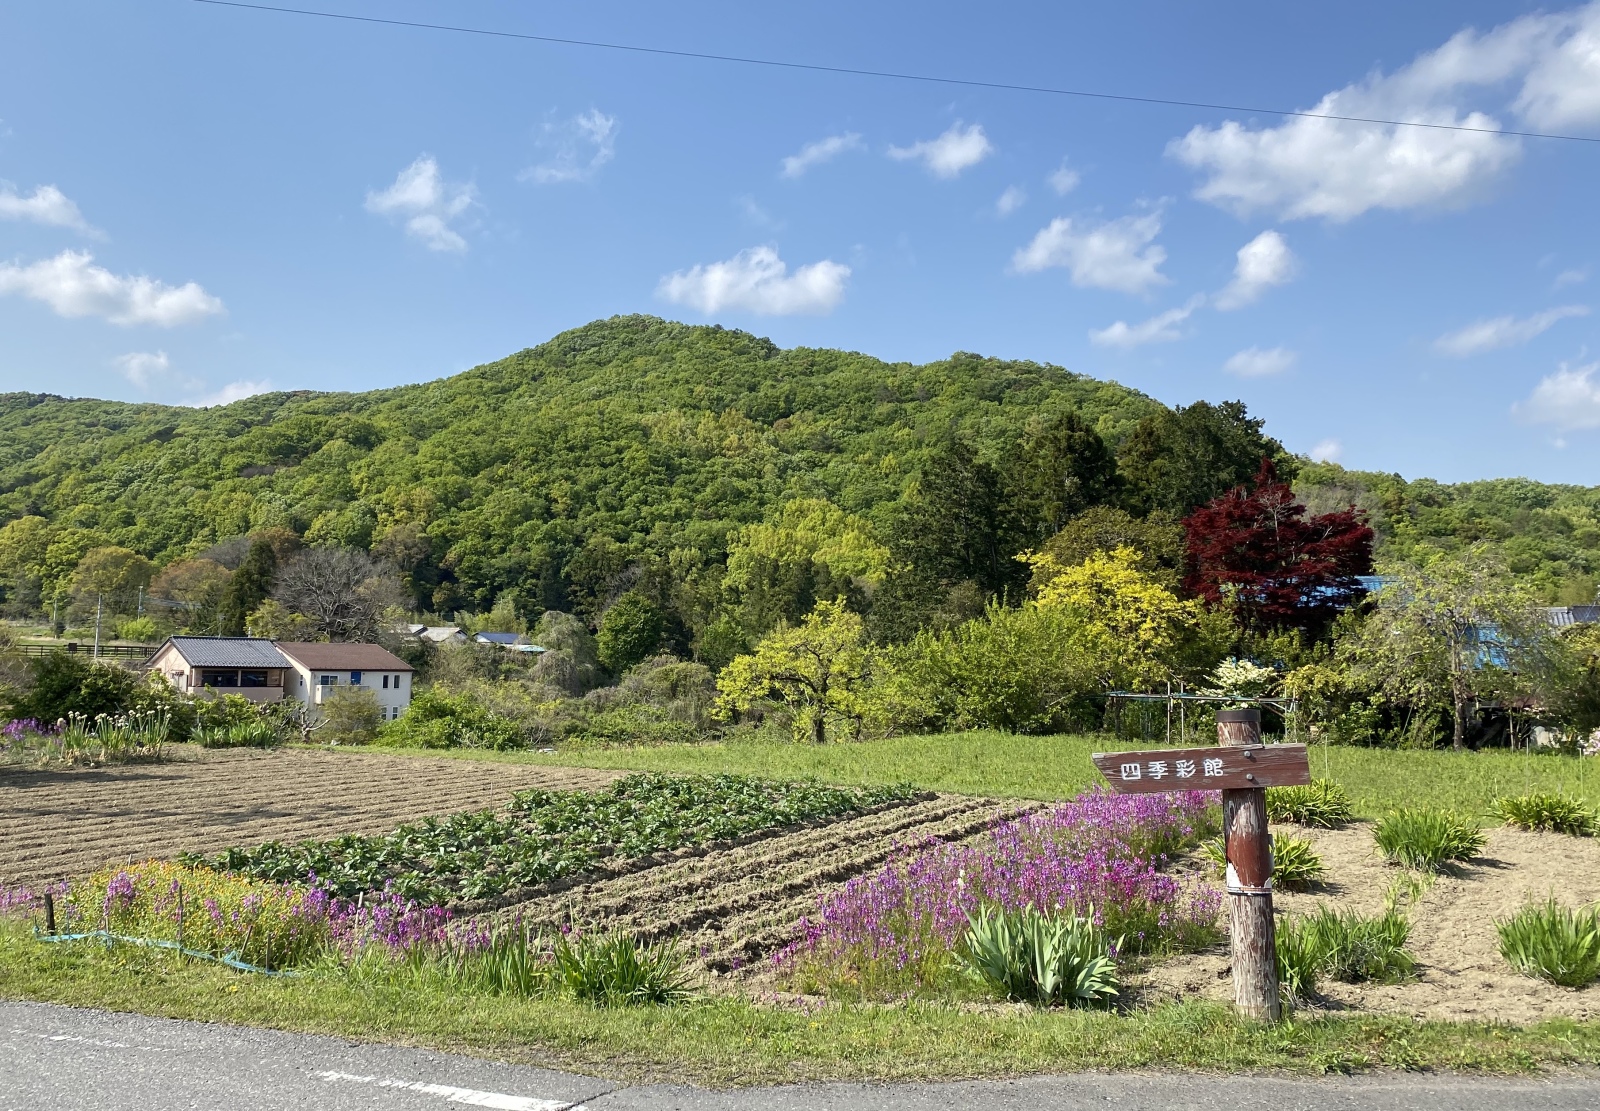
97, 608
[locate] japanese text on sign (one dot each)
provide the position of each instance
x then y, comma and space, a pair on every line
1182, 769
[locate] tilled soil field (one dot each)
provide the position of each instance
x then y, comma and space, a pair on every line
732, 905
58, 824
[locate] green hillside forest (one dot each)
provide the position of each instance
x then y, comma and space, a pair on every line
633, 451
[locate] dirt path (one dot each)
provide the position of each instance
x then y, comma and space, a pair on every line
1461, 975
732, 906
58, 824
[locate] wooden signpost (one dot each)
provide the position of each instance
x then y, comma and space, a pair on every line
1242, 768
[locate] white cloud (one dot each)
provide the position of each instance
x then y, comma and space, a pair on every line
1063, 180
758, 281
1569, 399
427, 203
1257, 362
142, 368
1502, 331
233, 391
46, 205
823, 150
1327, 451
949, 154
1119, 254
1012, 199
1337, 170
1262, 263
1573, 276
579, 147
73, 286
1562, 87
1161, 328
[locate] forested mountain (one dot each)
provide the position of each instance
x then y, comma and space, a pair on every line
632, 451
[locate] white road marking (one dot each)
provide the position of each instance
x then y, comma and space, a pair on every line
91, 1041
469, 1096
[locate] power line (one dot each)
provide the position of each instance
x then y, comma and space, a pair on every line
890, 74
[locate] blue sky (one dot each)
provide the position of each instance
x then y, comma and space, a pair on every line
198, 202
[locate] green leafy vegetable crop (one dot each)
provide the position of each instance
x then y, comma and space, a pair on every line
548, 835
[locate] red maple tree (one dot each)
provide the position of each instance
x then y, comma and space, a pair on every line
1281, 570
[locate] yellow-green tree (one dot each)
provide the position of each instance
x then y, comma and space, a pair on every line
809, 549
1125, 623
115, 574
820, 667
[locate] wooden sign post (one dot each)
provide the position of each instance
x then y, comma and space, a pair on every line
1242, 768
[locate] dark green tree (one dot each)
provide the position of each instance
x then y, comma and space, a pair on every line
1179, 459
1063, 469
250, 586
630, 631
951, 544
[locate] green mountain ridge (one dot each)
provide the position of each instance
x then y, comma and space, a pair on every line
546, 473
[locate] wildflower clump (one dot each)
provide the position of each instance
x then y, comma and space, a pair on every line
1100, 857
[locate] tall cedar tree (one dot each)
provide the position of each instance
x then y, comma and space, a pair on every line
1179, 459
250, 586
1065, 468
1282, 570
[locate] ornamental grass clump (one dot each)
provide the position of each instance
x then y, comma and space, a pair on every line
614, 969
1319, 803
1428, 840
1546, 811
1046, 960
1552, 942
1100, 857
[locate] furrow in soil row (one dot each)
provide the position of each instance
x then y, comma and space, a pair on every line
783, 863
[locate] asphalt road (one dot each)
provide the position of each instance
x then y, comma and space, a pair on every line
60, 1059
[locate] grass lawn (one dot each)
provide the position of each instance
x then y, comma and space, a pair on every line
729, 1041
1003, 764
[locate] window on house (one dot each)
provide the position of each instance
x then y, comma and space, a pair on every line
212, 678
355, 678
385, 682
327, 680
252, 678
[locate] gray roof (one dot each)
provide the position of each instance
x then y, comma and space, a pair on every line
229, 652
1563, 616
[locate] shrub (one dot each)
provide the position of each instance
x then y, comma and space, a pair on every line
1028, 957
1551, 942
1559, 813
1295, 864
618, 970
630, 631
351, 716
1318, 803
66, 684
438, 720
1429, 840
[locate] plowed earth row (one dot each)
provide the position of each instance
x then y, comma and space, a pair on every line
733, 905
60, 824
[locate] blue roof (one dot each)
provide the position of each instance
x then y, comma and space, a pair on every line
500, 638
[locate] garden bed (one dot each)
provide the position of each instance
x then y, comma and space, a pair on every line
61, 823
1460, 975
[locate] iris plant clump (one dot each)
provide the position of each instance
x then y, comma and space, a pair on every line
1100, 856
